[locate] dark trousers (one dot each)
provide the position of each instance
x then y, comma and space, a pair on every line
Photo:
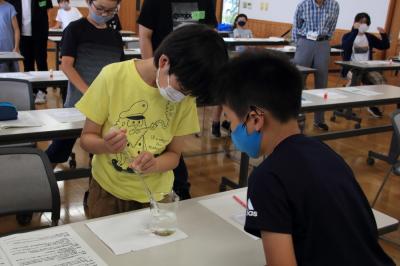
34, 51
181, 183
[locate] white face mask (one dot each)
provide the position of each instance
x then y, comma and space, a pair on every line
363, 28
169, 93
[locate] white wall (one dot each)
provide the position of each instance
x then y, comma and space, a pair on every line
283, 11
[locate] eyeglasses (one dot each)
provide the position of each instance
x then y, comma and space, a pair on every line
255, 109
102, 11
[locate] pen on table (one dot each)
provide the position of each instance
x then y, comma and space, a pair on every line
326, 96
238, 200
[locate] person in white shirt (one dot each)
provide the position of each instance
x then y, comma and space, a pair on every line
66, 14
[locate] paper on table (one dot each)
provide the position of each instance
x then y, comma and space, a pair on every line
376, 62
24, 120
55, 246
331, 94
228, 209
305, 101
3, 259
132, 233
275, 39
67, 115
16, 75
361, 91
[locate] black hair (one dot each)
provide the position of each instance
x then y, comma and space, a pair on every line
91, 1
237, 18
196, 53
59, 1
361, 16
263, 79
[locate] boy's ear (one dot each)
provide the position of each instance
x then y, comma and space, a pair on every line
163, 61
259, 121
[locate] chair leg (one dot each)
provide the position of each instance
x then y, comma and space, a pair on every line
381, 187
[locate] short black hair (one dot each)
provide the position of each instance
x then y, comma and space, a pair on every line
237, 18
361, 16
59, 1
264, 79
196, 54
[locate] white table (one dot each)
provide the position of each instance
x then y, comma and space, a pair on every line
132, 53
255, 41
211, 240
291, 50
40, 79
57, 41
10, 56
59, 32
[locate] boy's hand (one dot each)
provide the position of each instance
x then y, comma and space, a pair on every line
145, 163
16, 50
115, 141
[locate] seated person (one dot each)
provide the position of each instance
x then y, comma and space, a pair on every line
66, 14
358, 45
303, 199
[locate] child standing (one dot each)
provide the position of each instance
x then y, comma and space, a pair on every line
66, 14
9, 34
147, 104
87, 46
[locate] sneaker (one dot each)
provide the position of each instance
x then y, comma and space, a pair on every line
40, 97
226, 125
216, 129
321, 126
375, 112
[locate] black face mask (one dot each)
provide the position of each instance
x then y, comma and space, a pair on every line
241, 23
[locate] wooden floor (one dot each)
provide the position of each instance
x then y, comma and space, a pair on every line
206, 170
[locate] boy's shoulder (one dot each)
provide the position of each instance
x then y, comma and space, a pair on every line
78, 23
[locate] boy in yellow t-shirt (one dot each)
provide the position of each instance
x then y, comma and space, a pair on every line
138, 113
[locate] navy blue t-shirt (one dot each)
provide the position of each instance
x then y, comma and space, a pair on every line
307, 190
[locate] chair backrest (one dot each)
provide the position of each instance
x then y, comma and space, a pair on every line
27, 183
17, 91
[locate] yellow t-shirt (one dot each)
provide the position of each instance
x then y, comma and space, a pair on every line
119, 97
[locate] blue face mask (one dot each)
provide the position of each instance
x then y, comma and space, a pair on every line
245, 142
100, 20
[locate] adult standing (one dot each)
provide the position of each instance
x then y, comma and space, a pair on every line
313, 26
33, 21
157, 19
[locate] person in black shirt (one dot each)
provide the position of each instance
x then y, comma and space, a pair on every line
157, 19
33, 22
303, 199
88, 45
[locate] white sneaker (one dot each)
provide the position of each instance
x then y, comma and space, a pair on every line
40, 97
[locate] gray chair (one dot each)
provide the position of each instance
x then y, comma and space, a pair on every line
395, 166
27, 183
18, 92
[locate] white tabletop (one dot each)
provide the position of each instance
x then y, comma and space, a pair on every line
255, 41
125, 39
292, 49
36, 76
211, 239
10, 56
370, 65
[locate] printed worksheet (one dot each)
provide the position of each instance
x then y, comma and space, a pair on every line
55, 246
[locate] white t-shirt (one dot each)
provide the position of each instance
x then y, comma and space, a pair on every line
65, 17
360, 48
26, 28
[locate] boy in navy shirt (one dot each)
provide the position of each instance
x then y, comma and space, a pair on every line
303, 199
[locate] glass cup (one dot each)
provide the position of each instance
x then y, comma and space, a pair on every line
163, 213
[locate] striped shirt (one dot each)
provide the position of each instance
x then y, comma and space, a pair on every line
310, 17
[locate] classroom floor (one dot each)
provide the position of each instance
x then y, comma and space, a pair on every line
207, 170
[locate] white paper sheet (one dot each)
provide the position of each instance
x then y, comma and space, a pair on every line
132, 232
361, 91
275, 39
376, 62
46, 74
55, 246
24, 120
16, 75
228, 209
67, 115
305, 101
331, 95
3, 259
